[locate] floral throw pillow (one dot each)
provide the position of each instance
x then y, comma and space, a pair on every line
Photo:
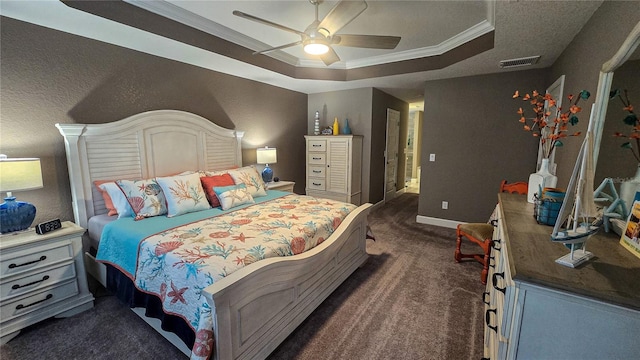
184, 194
145, 197
232, 196
249, 176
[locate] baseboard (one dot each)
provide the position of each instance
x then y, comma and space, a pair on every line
452, 224
401, 191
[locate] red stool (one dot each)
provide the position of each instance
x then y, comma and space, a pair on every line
481, 234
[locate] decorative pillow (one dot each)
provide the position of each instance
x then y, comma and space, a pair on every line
184, 194
249, 176
119, 201
209, 182
145, 197
232, 196
108, 203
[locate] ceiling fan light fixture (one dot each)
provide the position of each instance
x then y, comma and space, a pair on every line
316, 47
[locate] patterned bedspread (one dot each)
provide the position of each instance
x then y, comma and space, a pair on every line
177, 264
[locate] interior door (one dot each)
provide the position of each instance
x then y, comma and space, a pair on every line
391, 154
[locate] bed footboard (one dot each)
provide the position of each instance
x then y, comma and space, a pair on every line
254, 315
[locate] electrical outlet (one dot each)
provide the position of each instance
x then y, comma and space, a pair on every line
432, 157
445, 205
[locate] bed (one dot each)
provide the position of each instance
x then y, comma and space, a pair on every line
256, 306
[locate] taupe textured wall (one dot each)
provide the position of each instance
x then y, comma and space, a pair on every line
472, 126
582, 60
49, 77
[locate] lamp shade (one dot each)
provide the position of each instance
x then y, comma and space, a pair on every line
266, 155
20, 174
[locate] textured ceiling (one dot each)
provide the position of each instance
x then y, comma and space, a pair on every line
440, 39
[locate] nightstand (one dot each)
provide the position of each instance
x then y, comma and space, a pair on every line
41, 276
281, 185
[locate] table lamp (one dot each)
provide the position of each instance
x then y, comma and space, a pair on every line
266, 156
17, 175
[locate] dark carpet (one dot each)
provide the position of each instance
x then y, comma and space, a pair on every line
410, 300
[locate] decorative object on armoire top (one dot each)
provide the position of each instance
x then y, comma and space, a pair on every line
266, 156
346, 129
550, 124
327, 131
18, 174
336, 127
316, 124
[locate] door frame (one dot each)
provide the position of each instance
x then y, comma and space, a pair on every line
386, 149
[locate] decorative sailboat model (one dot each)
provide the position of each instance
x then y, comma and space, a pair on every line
578, 211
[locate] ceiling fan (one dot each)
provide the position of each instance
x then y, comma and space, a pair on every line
320, 35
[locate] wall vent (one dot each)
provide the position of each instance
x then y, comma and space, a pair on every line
525, 61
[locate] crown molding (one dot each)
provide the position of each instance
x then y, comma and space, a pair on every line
176, 13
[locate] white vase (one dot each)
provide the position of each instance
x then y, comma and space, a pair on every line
628, 189
541, 179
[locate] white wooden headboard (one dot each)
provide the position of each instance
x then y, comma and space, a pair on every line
153, 143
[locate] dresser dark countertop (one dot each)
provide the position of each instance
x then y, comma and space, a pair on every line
612, 276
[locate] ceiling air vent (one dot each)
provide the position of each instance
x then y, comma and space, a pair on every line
525, 61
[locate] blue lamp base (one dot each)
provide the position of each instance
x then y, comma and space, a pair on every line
267, 174
16, 215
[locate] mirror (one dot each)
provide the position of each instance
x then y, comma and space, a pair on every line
617, 163
604, 86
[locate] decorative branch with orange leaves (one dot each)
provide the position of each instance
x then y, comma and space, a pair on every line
549, 122
632, 120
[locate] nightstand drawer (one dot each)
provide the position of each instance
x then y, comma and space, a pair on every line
316, 184
19, 307
17, 287
316, 171
317, 159
317, 145
22, 261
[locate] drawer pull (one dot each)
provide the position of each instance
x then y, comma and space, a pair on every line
16, 286
316, 145
317, 171
484, 295
494, 223
315, 158
42, 258
494, 261
20, 306
495, 282
316, 184
487, 318
495, 243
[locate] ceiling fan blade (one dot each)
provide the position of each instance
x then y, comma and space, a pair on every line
278, 47
266, 22
330, 57
342, 14
367, 41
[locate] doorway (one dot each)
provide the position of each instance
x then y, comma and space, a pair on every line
412, 151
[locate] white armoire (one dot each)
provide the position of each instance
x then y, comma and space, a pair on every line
334, 167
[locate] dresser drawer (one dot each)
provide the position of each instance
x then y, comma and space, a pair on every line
316, 184
316, 172
36, 301
317, 145
317, 158
35, 258
19, 286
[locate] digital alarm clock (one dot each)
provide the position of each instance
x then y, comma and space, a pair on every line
48, 226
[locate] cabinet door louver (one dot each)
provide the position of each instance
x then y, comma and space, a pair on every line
338, 166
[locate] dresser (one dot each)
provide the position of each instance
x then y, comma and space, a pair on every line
334, 167
537, 309
41, 276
